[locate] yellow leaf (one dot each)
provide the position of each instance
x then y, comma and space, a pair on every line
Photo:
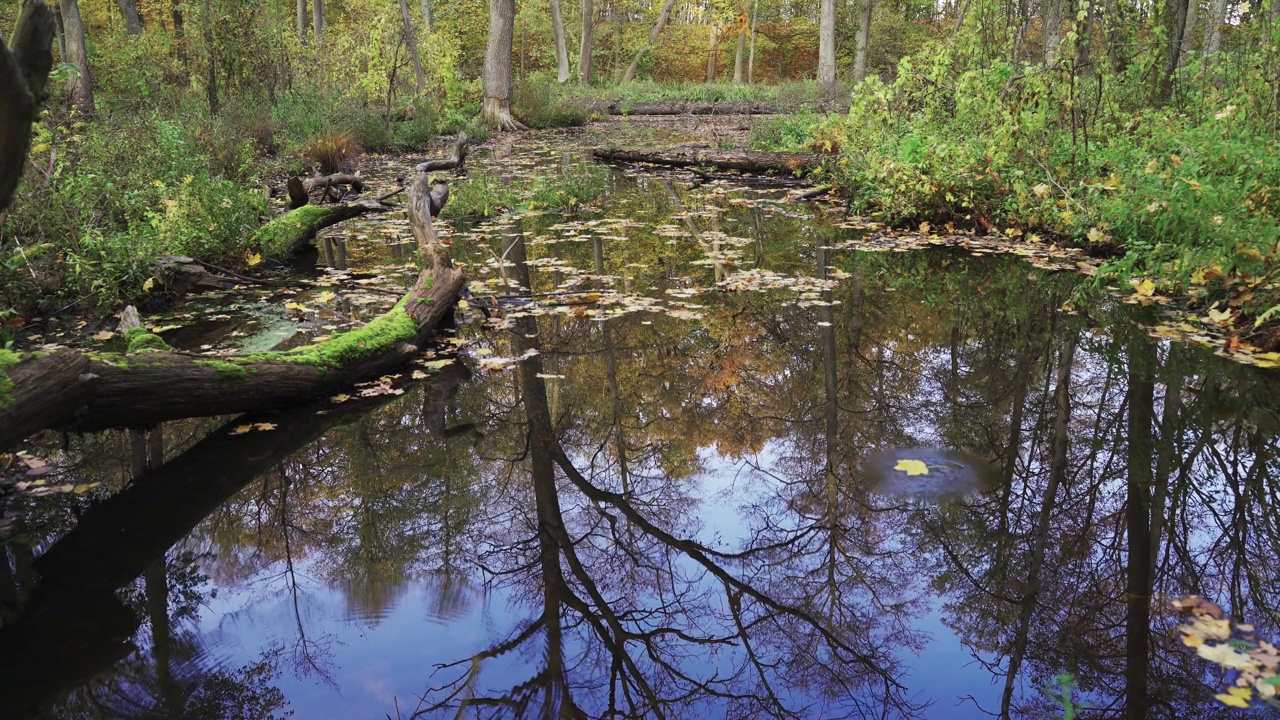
1111, 183
340, 398
254, 259
326, 296
1145, 287
148, 285
1153, 166
42, 147
1205, 275
1219, 317
1097, 236
104, 335
241, 429
265, 426
912, 467
1232, 700
297, 307
924, 227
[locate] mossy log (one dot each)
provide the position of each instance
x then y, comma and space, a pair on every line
782, 163
75, 391
289, 233
699, 107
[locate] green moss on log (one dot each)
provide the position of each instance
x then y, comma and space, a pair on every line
140, 340
8, 359
278, 237
376, 338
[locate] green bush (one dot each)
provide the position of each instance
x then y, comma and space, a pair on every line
101, 203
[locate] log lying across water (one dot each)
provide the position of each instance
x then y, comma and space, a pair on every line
699, 107
76, 391
783, 163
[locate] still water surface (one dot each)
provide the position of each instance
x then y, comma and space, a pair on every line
686, 500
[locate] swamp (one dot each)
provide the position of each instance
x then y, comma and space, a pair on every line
375, 360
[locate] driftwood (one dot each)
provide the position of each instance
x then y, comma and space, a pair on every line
745, 160
453, 162
355, 182
74, 391
23, 72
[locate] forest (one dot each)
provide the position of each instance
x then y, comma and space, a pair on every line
639, 359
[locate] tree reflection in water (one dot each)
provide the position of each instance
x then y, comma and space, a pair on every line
658, 517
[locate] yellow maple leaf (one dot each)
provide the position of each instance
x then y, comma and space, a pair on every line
1145, 287
148, 285
912, 467
254, 259
263, 427
1219, 317
326, 296
1234, 699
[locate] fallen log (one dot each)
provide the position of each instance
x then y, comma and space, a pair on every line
785, 163
698, 107
355, 182
289, 233
455, 160
84, 392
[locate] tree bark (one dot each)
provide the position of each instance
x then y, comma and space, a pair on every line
562, 52
1052, 17
80, 85
411, 39
1189, 31
827, 44
749, 161
1176, 11
426, 16
497, 65
179, 34
864, 37
317, 19
588, 42
23, 72
739, 56
713, 51
70, 390
663, 16
303, 23
751, 53
1213, 32
211, 71
129, 12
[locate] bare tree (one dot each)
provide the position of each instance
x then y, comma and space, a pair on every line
663, 17
132, 21
827, 44
411, 39
80, 84
497, 65
562, 52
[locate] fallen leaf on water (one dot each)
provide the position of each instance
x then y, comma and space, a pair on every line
912, 467
326, 296
104, 335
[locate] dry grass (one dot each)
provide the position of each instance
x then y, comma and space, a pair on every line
333, 152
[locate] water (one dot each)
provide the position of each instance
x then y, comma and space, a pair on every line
688, 502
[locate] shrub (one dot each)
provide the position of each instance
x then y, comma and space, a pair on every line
536, 105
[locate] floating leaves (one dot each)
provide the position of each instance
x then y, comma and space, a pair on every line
252, 427
1253, 665
912, 467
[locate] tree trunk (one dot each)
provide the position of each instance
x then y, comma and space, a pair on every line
1052, 17
317, 19
426, 16
751, 53
1189, 31
132, 22
562, 52
23, 72
739, 55
864, 37
1213, 33
411, 39
663, 17
497, 65
76, 392
80, 84
786, 163
588, 42
1177, 11
211, 73
179, 34
1115, 36
827, 44
713, 49
303, 23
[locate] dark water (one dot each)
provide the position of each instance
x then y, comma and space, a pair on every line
686, 501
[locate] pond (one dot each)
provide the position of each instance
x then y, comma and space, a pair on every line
730, 459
